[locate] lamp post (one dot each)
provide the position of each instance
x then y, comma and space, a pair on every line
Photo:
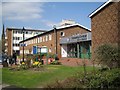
23, 41
37, 47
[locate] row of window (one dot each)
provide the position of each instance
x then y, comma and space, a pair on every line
29, 52
19, 38
26, 32
16, 45
39, 39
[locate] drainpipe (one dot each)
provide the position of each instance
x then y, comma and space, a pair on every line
55, 33
78, 49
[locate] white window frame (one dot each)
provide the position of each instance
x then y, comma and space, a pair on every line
63, 33
50, 37
46, 37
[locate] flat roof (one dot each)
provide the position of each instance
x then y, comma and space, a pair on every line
25, 29
58, 28
100, 8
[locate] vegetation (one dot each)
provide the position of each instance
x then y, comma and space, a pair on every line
102, 79
58, 76
108, 55
0, 76
55, 63
30, 78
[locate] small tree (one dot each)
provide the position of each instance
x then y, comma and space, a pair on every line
108, 55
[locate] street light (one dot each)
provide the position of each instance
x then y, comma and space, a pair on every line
37, 47
23, 41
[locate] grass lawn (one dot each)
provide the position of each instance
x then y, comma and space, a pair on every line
0, 75
33, 79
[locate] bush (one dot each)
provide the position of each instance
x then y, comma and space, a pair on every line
106, 79
23, 66
55, 63
108, 55
37, 64
51, 55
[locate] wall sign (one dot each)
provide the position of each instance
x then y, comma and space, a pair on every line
80, 37
76, 38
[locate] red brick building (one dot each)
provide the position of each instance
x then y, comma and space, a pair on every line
53, 39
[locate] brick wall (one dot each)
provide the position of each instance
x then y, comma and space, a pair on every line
105, 26
119, 24
9, 42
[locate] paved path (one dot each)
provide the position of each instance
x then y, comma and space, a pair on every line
11, 87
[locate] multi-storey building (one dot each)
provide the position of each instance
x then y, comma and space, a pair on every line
15, 35
105, 24
65, 41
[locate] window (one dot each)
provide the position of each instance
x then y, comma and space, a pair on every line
21, 51
19, 31
26, 32
46, 37
40, 39
29, 32
32, 41
62, 34
16, 45
43, 39
36, 40
15, 31
50, 50
50, 37
20, 38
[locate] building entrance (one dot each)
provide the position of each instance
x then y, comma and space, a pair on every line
85, 50
77, 50
72, 50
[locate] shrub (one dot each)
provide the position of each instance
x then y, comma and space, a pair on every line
108, 55
55, 63
106, 79
23, 66
51, 55
37, 64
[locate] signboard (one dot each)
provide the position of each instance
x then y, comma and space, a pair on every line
43, 49
39, 50
34, 49
80, 37
76, 38
23, 44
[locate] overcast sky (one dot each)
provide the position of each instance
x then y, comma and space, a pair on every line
36, 14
